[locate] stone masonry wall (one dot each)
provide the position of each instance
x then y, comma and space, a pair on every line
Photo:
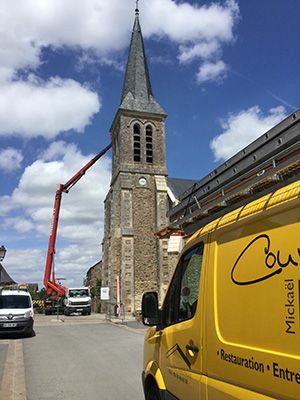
145, 249
134, 211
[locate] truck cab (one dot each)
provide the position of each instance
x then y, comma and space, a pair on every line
78, 300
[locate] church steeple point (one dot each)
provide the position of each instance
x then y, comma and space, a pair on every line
137, 8
137, 92
137, 201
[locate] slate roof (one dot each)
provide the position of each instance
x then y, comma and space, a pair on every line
137, 93
179, 186
4, 277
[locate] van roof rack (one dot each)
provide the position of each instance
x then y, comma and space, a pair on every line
270, 162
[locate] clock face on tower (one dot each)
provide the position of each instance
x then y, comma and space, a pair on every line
142, 182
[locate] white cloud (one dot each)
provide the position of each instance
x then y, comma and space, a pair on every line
36, 108
241, 129
204, 50
184, 22
212, 72
10, 159
200, 31
24, 265
72, 263
81, 218
19, 224
5, 205
28, 26
16, 51
32, 107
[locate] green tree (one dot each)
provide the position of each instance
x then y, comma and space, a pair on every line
95, 290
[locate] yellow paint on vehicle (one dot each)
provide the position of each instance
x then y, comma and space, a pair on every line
246, 324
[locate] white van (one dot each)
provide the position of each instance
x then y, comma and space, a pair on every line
16, 312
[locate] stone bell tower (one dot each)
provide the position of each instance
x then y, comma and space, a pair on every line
134, 259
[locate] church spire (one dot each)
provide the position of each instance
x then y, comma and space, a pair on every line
137, 8
137, 92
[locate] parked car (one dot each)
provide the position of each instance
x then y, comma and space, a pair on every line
16, 312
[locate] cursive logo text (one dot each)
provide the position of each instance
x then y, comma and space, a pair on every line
274, 262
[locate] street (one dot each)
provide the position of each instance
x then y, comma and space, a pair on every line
80, 358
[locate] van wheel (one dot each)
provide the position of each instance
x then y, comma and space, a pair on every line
153, 393
30, 333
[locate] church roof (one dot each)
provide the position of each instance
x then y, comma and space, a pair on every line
179, 186
137, 93
4, 277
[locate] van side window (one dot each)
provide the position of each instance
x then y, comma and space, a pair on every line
181, 300
170, 308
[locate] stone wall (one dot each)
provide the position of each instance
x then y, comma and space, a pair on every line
93, 277
135, 208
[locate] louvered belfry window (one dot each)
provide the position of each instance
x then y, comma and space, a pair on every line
149, 144
136, 142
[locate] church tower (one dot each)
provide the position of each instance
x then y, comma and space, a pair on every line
134, 259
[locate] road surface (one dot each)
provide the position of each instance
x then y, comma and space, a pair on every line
80, 358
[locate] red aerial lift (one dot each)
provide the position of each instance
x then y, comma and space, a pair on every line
54, 289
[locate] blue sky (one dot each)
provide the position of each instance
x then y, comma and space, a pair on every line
224, 71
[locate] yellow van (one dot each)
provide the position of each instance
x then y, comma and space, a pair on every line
229, 326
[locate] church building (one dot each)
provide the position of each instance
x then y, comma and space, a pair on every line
135, 260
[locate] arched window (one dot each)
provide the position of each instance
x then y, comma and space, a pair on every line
149, 144
136, 143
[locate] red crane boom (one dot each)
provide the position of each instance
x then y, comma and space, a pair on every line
54, 288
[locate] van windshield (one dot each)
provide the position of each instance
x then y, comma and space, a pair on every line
78, 292
11, 301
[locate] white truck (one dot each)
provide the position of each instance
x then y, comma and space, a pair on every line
78, 300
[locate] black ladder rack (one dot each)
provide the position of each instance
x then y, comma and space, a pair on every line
270, 162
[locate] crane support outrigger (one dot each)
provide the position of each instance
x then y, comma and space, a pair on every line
53, 288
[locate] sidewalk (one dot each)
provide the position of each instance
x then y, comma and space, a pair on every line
12, 373
128, 322
3, 354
